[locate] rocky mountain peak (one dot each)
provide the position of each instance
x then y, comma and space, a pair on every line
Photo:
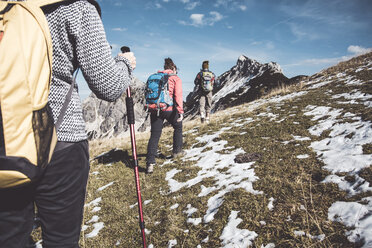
246, 66
251, 66
244, 60
274, 67
246, 81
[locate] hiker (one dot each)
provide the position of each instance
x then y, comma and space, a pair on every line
204, 82
78, 40
173, 114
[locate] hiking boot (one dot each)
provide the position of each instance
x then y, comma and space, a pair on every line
179, 154
150, 168
202, 120
207, 120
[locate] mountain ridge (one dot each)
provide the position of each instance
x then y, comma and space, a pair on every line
246, 81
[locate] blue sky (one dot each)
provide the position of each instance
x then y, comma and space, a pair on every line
304, 37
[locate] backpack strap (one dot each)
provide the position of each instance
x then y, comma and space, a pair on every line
51, 4
4, 7
166, 79
45, 2
66, 102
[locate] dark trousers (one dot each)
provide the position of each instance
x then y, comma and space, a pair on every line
156, 130
59, 197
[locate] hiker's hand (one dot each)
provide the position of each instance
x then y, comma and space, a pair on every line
180, 118
130, 56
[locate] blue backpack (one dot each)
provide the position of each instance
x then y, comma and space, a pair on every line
157, 92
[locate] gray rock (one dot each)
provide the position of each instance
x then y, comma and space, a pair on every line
109, 119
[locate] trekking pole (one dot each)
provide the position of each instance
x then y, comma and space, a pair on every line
130, 112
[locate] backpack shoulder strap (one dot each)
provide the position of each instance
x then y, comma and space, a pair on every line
4, 7
169, 75
45, 2
51, 3
66, 102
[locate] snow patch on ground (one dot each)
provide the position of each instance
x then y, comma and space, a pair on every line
97, 227
233, 237
357, 216
104, 187
221, 167
342, 151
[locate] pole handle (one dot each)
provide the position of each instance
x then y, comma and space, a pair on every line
130, 110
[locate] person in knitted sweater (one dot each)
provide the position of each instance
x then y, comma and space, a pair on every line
79, 41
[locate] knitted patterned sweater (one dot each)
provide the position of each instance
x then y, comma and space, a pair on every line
79, 40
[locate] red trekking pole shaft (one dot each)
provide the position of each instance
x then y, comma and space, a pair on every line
130, 112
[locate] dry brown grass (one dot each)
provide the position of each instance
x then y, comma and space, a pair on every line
100, 146
284, 89
346, 65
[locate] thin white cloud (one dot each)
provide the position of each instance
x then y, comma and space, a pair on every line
286, 21
215, 17
316, 10
152, 5
120, 29
192, 5
267, 45
199, 20
243, 7
321, 61
184, 23
354, 50
318, 62
302, 34
219, 3
358, 50
231, 5
329, 15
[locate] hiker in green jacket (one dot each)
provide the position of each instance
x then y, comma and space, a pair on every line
204, 82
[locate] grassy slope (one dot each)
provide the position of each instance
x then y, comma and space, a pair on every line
293, 183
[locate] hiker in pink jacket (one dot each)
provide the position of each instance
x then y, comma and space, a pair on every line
173, 114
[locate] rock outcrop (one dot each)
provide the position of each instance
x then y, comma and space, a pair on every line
109, 119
